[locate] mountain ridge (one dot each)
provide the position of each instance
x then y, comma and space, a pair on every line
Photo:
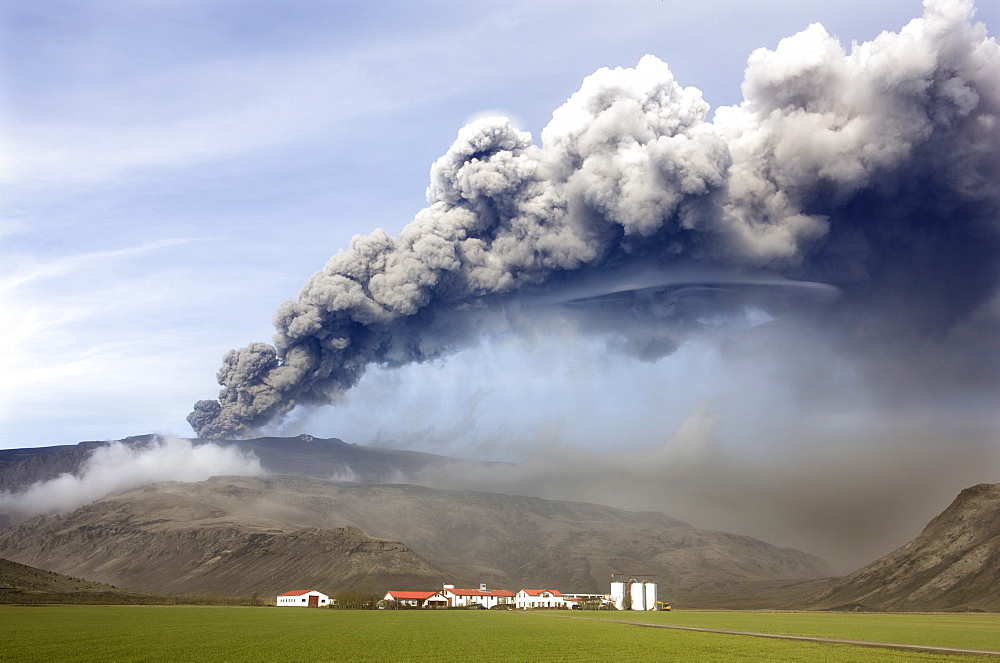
473, 537
303, 455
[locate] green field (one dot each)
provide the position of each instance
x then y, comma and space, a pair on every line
176, 633
965, 631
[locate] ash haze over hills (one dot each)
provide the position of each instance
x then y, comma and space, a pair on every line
48, 480
776, 317
232, 535
235, 535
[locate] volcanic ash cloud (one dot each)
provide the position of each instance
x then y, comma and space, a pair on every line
873, 170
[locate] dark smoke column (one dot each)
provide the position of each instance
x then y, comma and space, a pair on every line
504, 215
833, 165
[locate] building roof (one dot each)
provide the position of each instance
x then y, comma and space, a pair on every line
421, 596
300, 592
476, 592
536, 592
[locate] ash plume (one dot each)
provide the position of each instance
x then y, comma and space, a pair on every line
872, 170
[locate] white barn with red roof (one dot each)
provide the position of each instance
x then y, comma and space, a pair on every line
303, 598
539, 598
417, 599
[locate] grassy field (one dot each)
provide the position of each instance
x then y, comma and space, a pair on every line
961, 630
173, 633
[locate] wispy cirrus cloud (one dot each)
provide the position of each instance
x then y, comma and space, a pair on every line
78, 331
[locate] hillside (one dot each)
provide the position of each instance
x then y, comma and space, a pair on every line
16, 577
24, 584
19, 468
238, 535
175, 556
953, 564
303, 455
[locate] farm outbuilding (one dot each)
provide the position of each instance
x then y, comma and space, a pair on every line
487, 598
539, 598
303, 598
416, 599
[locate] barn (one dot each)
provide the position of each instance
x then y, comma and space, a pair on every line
303, 598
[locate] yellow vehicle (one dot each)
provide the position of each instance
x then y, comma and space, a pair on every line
662, 605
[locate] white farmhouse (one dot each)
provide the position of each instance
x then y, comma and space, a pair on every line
303, 598
487, 598
539, 598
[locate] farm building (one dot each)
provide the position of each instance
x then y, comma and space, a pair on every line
636, 593
588, 601
488, 598
417, 599
304, 598
539, 598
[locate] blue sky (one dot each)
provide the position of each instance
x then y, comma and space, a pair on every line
172, 171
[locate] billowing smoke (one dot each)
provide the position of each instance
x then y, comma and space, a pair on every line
872, 170
118, 466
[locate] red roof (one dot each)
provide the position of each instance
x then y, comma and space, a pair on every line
299, 592
421, 596
536, 592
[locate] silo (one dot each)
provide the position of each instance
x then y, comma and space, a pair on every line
633, 592
643, 595
618, 595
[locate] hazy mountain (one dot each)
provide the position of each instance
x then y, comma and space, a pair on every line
184, 538
953, 564
303, 455
238, 535
19, 468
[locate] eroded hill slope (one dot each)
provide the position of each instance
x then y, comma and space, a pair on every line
953, 564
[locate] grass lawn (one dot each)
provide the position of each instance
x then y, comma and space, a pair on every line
963, 630
186, 633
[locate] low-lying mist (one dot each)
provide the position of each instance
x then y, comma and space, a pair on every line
118, 466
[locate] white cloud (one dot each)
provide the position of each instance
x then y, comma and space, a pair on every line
118, 466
